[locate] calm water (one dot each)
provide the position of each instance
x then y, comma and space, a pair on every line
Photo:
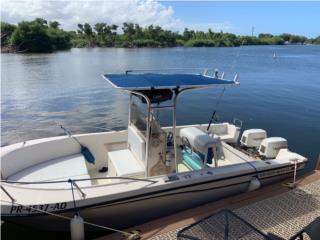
280, 95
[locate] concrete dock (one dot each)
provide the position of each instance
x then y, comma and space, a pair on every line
274, 209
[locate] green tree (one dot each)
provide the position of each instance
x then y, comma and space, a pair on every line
41, 22
265, 35
290, 38
6, 31
36, 36
128, 31
60, 40
99, 28
54, 24
86, 36
187, 34
40, 36
87, 30
285, 36
316, 40
297, 39
80, 30
31, 37
138, 32
105, 34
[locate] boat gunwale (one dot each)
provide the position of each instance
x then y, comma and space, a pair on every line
116, 201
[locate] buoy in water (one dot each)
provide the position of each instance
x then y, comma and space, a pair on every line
77, 228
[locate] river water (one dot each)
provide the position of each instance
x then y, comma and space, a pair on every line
279, 94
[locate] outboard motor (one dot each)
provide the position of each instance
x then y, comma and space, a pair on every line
252, 138
270, 147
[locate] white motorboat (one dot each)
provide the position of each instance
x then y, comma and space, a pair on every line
123, 178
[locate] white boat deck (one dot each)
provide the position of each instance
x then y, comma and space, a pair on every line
73, 166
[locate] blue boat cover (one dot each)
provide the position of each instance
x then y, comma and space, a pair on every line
162, 81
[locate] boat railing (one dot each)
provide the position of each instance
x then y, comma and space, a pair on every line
78, 180
237, 122
22, 136
8, 194
73, 183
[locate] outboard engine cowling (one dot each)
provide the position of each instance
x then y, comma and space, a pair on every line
253, 137
270, 147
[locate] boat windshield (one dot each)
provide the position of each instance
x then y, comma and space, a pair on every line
138, 116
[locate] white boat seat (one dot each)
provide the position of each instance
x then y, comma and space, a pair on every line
124, 164
226, 132
73, 166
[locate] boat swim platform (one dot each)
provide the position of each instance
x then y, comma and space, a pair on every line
274, 209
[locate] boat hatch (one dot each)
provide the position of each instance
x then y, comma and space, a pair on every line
157, 91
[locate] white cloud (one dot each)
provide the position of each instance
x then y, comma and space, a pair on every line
70, 13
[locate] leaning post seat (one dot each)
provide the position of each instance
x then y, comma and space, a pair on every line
122, 163
128, 162
201, 142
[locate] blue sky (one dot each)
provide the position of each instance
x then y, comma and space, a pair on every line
239, 17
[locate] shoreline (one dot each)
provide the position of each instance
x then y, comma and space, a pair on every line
12, 49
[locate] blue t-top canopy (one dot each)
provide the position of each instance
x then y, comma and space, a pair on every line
147, 81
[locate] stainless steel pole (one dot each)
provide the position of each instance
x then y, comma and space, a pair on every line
174, 125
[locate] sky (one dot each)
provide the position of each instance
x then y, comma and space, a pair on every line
237, 17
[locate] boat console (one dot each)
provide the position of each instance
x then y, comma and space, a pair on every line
149, 93
199, 146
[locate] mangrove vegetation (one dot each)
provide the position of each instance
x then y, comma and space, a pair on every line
40, 35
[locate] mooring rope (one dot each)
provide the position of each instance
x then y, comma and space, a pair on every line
128, 234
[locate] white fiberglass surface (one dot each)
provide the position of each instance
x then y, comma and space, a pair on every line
57, 169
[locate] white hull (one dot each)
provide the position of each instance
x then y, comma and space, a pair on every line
127, 213
118, 203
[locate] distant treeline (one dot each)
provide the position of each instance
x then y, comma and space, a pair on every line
40, 35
